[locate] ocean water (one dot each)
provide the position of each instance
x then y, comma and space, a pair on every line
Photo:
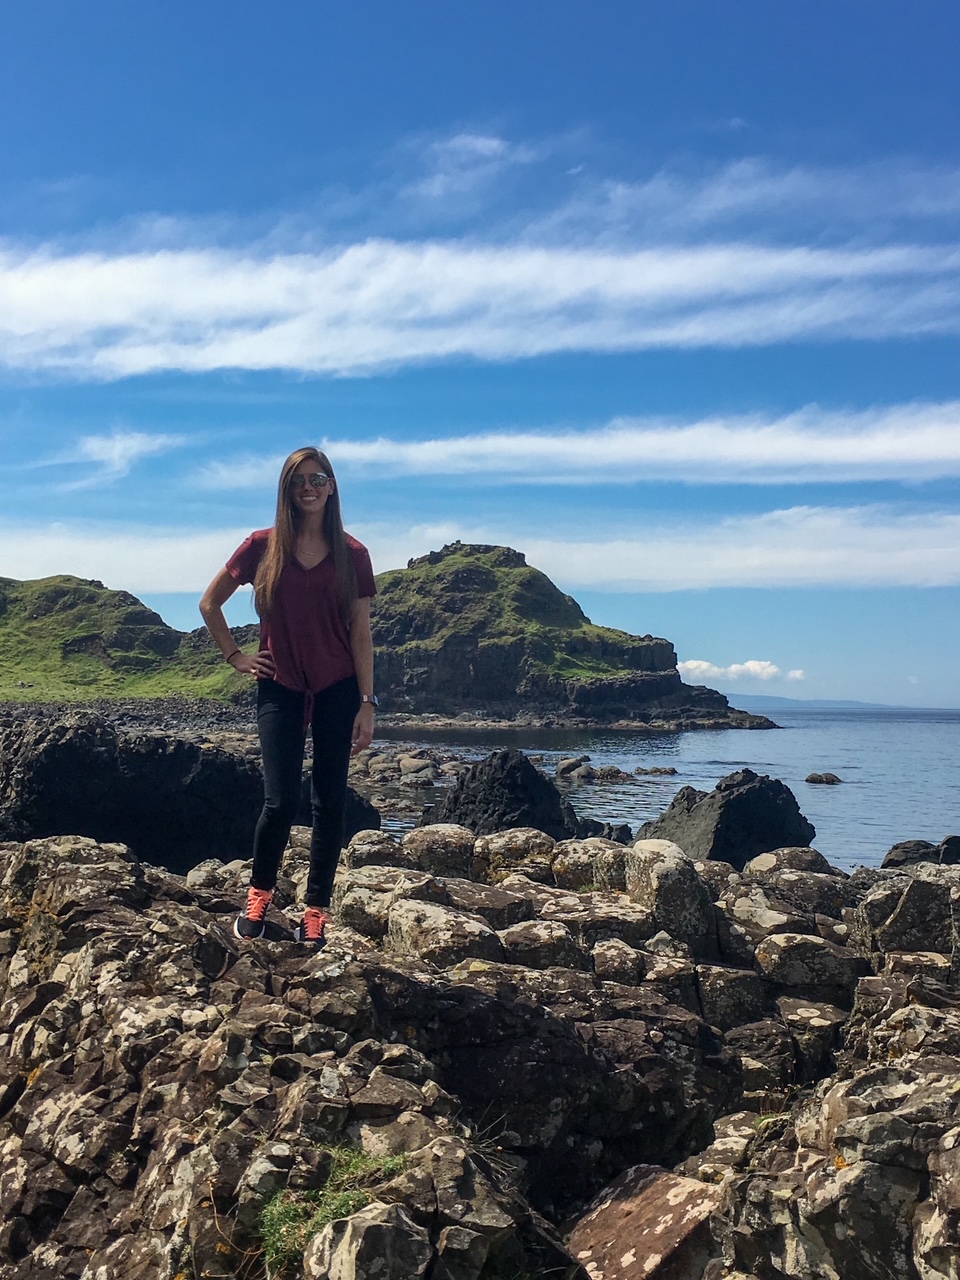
900, 771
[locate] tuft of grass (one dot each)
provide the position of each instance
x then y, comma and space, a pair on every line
291, 1218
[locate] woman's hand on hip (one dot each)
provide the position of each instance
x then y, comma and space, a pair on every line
260, 665
362, 728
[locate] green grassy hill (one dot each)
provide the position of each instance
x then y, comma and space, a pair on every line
489, 596
66, 638
474, 627
466, 628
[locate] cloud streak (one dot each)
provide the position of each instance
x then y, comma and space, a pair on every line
795, 547
912, 442
383, 304
116, 455
756, 196
696, 669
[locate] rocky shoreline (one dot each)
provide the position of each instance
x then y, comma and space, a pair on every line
697, 1052
187, 715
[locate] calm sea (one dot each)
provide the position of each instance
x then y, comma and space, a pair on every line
900, 771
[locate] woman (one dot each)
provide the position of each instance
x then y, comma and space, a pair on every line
312, 587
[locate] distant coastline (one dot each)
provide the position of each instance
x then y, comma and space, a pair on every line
749, 701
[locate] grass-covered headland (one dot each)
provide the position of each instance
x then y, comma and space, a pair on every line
464, 629
66, 639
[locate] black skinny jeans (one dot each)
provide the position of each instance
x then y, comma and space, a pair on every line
280, 721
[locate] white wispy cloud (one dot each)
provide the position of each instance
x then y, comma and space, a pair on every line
894, 442
796, 547
757, 195
873, 546
460, 163
382, 304
697, 669
158, 558
115, 455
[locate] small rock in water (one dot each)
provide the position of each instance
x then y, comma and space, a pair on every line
825, 779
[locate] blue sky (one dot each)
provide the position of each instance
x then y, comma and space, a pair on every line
666, 296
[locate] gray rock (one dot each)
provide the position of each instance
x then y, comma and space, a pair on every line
540, 944
801, 965
860, 1181
591, 863
380, 1242
496, 905
907, 913
909, 852
442, 849
507, 790
729, 997
746, 814
378, 848
520, 850
749, 907
790, 859
598, 917
661, 880
768, 1057
440, 934
815, 1029
614, 961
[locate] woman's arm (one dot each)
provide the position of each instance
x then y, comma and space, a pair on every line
211, 607
361, 646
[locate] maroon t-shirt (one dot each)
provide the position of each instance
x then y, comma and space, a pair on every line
305, 633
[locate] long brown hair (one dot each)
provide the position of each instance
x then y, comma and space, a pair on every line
282, 543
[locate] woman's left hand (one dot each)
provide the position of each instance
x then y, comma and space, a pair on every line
362, 728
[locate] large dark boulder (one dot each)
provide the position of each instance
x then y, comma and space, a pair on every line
909, 853
744, 815
174, 801
506, 790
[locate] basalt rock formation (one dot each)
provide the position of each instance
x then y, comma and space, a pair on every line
506, 790
517, 1056
474, 627
744, 815
173, 800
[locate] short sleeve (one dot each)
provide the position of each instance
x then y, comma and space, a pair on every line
366, 583
244, 562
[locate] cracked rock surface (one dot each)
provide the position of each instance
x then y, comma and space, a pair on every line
741, 1074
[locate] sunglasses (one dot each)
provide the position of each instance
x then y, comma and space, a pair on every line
317, 481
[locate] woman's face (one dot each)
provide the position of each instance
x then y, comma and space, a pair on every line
308, 497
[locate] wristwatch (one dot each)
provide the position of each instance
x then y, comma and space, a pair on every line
370, 697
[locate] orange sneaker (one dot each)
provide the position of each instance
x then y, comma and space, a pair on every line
313, 928
250, 923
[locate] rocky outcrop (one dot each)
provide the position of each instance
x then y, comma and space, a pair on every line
744, 815
647, 1213
908, 853
506, 790
173, 800
861, 1180
663, 1064
475, 627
